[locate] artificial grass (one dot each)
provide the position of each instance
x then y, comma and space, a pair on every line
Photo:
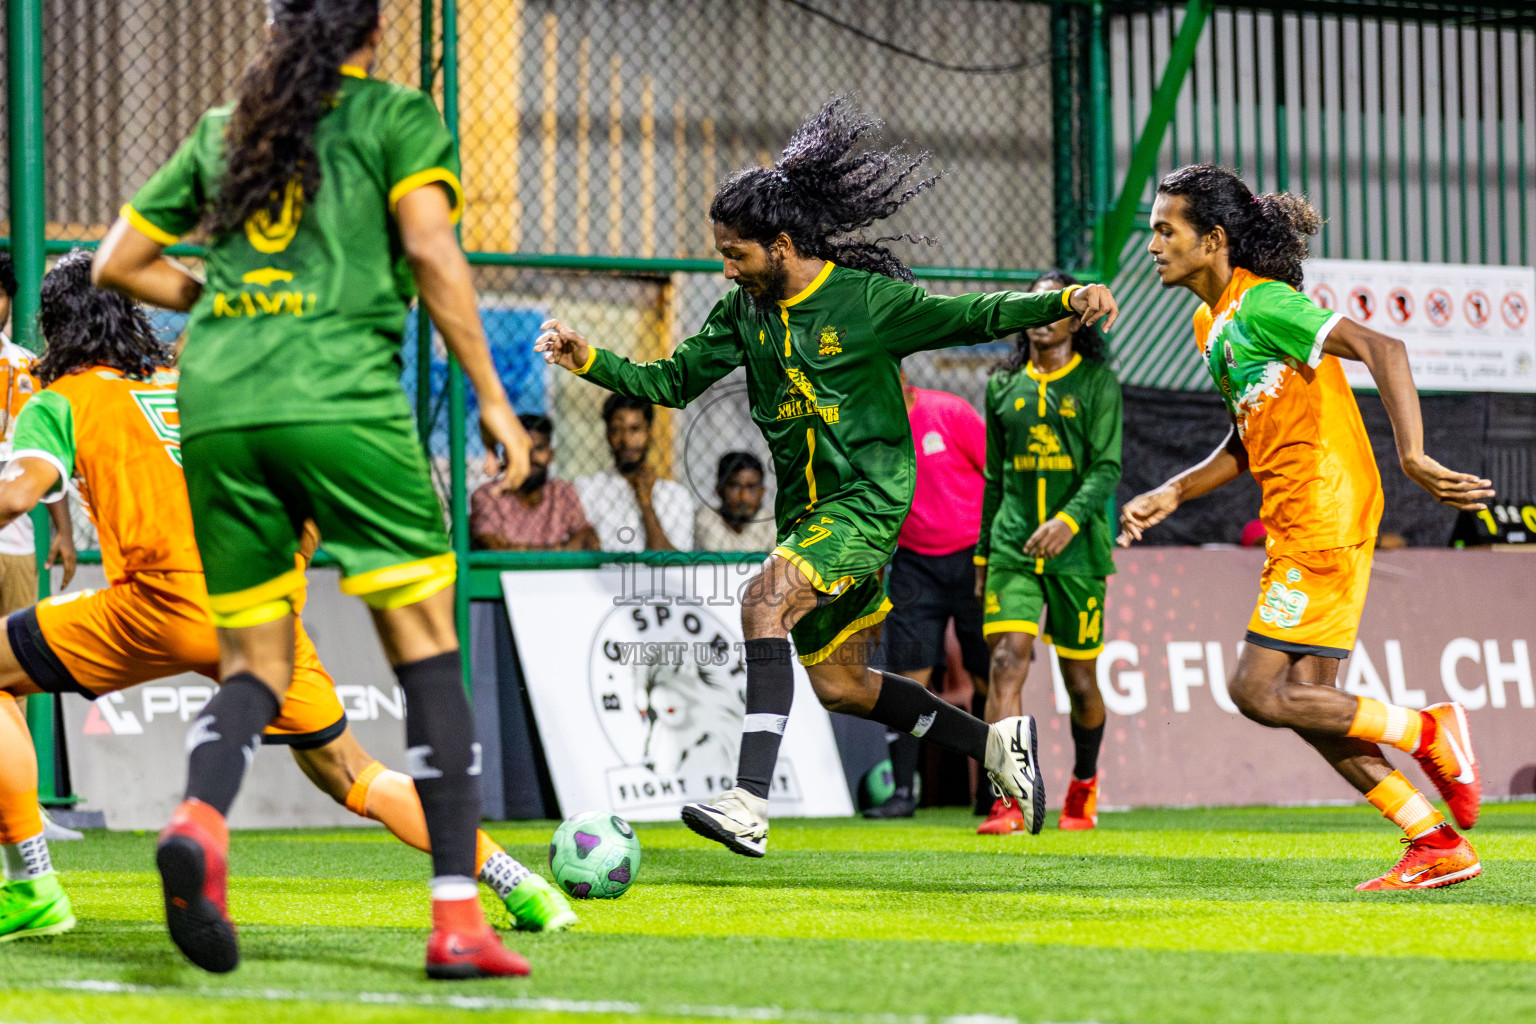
1159, 916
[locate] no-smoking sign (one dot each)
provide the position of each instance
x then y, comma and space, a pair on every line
1400, 305
1324, 297
1477, 308
1513, 309
1362, 304
1437, 306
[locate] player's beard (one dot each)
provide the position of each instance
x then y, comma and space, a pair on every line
766, 299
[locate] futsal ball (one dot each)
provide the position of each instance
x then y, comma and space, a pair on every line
595, 855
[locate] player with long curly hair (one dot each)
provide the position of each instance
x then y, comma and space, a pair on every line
330, 198
1274, 356
821, 318
1052, 412
106, 421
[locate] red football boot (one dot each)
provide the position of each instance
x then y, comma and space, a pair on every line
192, 856
1006, 819
1445, 754
1081, 810
464, 946
1438, 857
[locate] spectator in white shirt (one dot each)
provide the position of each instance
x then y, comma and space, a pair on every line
630, 507
738, 524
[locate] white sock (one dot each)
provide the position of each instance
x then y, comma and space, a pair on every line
503, 873
453, 888
26, 860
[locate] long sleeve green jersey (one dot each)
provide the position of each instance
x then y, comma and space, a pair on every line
824, 383
1053, 451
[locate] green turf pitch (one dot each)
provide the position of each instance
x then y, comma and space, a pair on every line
1159, 916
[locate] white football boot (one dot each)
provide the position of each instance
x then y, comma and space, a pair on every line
736, 819
1013, 764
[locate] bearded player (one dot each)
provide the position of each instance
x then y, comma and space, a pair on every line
1275, 359
821, 319
107, 419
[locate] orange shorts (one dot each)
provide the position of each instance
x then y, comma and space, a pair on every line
1310, 601
157, 624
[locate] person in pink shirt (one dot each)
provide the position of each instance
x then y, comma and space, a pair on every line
931, 577
540, 515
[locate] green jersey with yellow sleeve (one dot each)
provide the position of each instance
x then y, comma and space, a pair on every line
824, 383
302, 316
1053, 451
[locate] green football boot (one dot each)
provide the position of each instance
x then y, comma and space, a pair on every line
33, 908
537, 906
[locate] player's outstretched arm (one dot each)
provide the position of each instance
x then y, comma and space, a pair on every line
1145, 511
131, 262
448, 291
909, 320
1387, 360
22, 486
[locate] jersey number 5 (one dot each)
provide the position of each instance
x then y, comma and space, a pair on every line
159, 408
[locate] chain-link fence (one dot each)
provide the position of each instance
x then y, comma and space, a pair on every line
591, 129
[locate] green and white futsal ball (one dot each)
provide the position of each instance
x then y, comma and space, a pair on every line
594, 855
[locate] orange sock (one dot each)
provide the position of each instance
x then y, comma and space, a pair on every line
390, 797
19, 816
1387, 723
1395, 797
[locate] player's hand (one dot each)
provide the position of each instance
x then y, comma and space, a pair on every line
61, 551
1093, 302
1145, 511
1048, 540
1458, 490
499, 427
561, 345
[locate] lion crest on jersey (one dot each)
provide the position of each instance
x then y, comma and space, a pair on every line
1043, 440
831, 342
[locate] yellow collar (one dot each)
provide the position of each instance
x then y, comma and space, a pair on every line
353, 71
1035, 374
826, 272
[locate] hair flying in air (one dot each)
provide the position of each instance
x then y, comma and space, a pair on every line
1086, 341
281, 97
825, 189
1266, 234
87, 326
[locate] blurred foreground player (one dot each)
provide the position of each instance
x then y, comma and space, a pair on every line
1053, 462
328, 198
1275, 359
821, 318
107, 419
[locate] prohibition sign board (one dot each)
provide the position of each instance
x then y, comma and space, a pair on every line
1477, 308
1437, 305
1400, 305
1513, 309
1362, 304
1324, 297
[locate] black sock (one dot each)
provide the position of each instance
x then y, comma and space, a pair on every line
444, 759
904, 750
1087, 741
770, 692
223, 740
982, 804
907, 706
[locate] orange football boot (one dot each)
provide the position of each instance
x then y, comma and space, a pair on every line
1445, 754
1006, 819
1081, 811
1438, 857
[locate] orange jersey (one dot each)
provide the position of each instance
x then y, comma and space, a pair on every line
120, 440
1295, 414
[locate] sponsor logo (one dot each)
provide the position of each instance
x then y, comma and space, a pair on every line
1068, 408
1043, 440
933, 443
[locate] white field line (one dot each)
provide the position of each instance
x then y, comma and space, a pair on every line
577, 1007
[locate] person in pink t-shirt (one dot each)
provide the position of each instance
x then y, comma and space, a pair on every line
931, 575
541, 515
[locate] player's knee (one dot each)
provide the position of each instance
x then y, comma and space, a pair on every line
1010, 662
1256, 698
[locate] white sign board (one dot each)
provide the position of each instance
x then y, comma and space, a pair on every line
1467, 327
639, 697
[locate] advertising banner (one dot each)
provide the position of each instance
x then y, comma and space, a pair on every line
638, 683
1467, 327
1438, 626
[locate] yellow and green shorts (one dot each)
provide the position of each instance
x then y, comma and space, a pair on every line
366, 486
1073, 607
845, 561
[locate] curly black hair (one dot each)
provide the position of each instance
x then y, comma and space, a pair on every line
823, 191
7, 275
1266, 234
1086, 341
86, 326
283, 94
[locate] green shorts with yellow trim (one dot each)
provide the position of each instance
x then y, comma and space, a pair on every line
365, 484
1073, 606
847, 568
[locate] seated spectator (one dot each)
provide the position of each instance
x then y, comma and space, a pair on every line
541, 515
736, 525
631, 508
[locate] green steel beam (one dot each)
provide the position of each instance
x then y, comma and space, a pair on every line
1115, 228
428, 75
458, 497
1067, 215
1101, 165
